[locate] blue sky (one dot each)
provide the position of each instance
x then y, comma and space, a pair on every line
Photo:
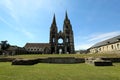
23, 21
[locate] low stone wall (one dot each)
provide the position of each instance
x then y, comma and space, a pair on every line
98, 62
65, 60
24, 61
103, 63
115, 60
59, 60
6, 59
79, 60
62, 60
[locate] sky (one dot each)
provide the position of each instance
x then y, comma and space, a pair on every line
23, 21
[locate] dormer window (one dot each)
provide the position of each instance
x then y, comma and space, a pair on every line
108, 42
118, 39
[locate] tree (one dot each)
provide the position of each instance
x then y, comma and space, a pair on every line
4, 46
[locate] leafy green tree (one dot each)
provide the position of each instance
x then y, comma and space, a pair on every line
4, 45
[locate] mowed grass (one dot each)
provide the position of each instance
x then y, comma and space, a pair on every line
45, 71
63, 55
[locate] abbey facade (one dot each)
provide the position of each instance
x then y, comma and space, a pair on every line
59, 41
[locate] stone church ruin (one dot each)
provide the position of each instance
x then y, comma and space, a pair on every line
59, 42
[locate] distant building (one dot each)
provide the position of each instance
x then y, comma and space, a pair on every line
37, 48
107, 46
81, 51
15, 50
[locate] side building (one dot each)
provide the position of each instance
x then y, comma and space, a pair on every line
111, 45
37, 48
15, 50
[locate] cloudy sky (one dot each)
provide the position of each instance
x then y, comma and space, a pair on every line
23, 21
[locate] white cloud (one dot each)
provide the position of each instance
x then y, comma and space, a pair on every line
22, 30
29, 7
11, 9
103, 36
28, 34
1, 19
93, 39
26, 8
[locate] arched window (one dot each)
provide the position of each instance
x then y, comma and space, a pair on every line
99, 49
112, 46
60, 51
67, 40
118, 46
53, 39
67, 27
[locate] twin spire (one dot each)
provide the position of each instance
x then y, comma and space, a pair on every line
66, 16
54, 19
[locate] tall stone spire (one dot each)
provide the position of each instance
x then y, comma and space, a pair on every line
54, 20
66, 16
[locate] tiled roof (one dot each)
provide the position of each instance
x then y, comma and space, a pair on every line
37, 45
108, 41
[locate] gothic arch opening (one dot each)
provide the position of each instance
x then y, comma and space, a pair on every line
67, 39
53, 49
68, 50
60, 51
53, 40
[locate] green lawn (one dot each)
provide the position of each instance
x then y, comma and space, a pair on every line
46, 71
59, 72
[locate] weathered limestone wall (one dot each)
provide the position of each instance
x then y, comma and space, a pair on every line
60, 60
34, 49
115, 47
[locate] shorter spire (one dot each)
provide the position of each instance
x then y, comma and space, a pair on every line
54, 20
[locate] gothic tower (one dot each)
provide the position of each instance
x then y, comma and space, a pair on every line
53, 36
67, 45
68, 35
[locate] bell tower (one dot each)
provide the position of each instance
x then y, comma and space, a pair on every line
68, 35
53, 36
